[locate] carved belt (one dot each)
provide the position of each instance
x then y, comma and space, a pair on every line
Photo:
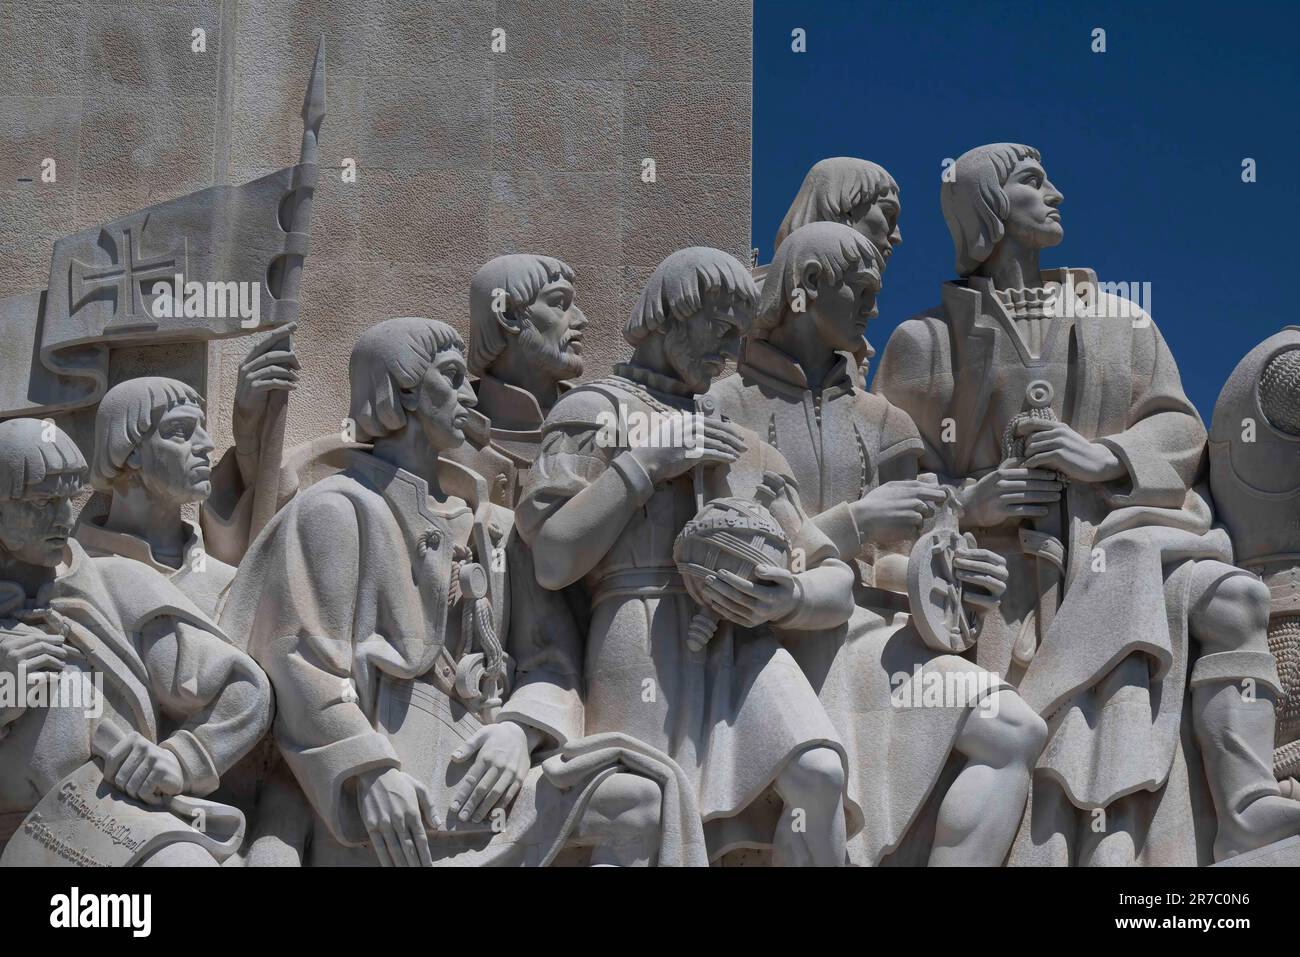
638, 583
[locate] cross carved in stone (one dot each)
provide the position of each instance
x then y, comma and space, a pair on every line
132, 267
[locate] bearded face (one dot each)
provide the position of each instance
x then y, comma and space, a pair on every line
551, 332
699, 346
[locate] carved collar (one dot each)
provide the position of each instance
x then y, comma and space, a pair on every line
100, 540
765, 361
509, 407
1031, 302
457, 481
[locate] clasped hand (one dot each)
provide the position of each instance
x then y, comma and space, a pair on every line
773, 595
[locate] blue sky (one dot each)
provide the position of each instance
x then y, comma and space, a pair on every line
1146, 141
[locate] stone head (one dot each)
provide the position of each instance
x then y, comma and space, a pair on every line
854, 192
700, 301
522, 301
827, 276
41, 469
997, 192
151, 432
410, 372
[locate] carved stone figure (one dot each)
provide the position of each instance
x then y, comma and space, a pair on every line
616, 482
855, 458
179, 705
856, 192
1255, 477
859, 194
1121, 591
152, 457
391, 610
525, 345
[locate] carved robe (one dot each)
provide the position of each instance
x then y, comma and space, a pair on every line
168, 673
732, 715
1110, 674
347, 601
843, 441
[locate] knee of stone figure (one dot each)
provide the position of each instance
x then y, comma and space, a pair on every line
814, 776
630, 803
1004, 731
1233, 615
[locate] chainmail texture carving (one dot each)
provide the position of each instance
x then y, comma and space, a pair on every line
1279, 392
1284, 642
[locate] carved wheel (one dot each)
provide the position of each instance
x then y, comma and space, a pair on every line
944, 622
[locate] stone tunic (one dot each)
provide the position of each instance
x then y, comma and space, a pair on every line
732, 715
841, 443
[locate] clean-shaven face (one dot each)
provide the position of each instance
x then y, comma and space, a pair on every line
878, 221
840, 310
35, 529
1034, 219
175, 458
443, 400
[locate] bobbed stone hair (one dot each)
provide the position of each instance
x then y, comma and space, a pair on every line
830, 191
127, 414
677, 287
836, 249
390, 357
974, 204
521, 276
32, 451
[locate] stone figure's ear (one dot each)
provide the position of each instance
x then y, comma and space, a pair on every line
809, 276
134, 460
511, 319
410, 399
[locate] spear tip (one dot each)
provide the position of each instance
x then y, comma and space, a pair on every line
313, 106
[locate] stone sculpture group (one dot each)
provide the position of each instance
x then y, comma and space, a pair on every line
1007, 606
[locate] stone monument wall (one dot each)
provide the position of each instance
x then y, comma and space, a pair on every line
461, 153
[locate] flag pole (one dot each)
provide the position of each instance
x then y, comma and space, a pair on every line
271, 449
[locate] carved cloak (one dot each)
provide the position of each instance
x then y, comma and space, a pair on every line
1110, 674
169, 674
344, 601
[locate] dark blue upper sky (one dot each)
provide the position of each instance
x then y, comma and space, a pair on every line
1145, 140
